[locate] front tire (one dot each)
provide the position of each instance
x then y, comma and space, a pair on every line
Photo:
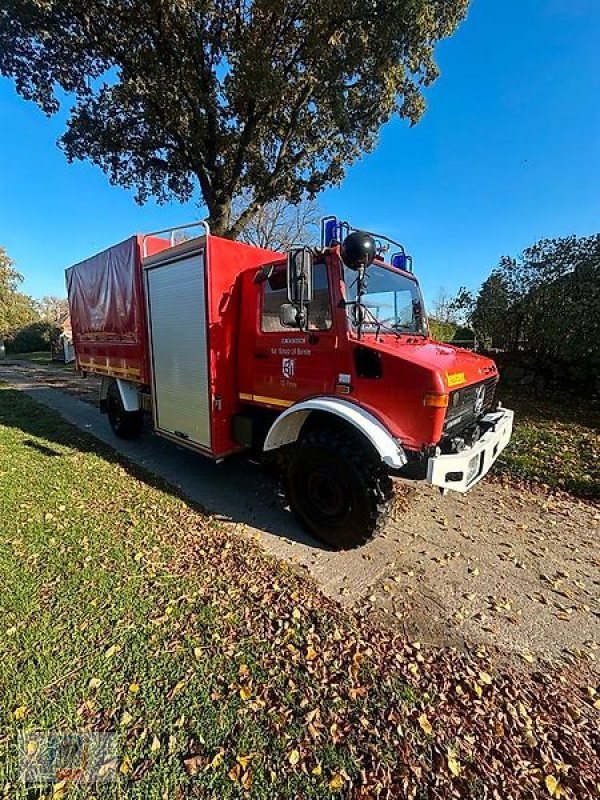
338, 487
126, 424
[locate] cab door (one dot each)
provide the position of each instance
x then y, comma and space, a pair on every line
289, 364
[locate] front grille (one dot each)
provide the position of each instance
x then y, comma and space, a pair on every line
461, 405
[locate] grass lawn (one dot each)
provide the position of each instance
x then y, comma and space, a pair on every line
36, 357
224, 673
556, 443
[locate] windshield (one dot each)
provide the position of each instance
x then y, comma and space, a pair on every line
391, 300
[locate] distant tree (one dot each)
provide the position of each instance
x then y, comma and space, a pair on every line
259, 98
546, 301
462, 306
490, 315
16, 309
559, 299
279, 225
442, 323
52, 309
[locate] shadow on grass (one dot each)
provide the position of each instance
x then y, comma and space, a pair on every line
235, 490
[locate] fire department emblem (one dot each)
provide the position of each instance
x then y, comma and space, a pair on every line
287, 367
479, 399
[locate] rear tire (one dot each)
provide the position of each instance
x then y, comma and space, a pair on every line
125, 424
338, 487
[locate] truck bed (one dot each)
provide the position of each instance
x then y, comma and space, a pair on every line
108, 316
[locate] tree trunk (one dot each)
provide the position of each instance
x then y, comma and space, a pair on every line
219, 216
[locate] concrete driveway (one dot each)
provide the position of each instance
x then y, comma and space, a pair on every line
500, 567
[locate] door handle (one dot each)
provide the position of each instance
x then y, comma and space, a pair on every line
261, 354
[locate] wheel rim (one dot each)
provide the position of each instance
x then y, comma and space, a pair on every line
327, 500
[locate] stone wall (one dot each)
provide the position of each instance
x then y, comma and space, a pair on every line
528, 372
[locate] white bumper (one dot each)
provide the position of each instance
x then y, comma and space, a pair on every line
461, 471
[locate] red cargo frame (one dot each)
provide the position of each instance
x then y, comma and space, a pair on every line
108, 315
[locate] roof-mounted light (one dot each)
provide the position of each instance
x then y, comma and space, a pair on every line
330, 231
402, 261
334, 230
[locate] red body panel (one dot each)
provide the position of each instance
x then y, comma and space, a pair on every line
107, 310
226, 262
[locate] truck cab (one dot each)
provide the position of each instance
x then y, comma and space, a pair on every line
358, 341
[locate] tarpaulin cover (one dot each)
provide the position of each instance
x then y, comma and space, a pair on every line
103, 296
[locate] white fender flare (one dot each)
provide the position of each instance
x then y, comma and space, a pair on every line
286, 427
129, 391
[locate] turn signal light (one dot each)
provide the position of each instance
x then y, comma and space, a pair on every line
435, 400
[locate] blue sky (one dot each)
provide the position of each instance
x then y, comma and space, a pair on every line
508, 152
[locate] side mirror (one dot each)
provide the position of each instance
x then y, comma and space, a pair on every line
300, 276
289, 315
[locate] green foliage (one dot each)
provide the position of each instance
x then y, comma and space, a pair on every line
16, 309
490, 314
36, 336
270, 98
547, 301
464, 337
440, 330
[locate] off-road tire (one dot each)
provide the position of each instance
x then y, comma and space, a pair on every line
338, 487
125, 424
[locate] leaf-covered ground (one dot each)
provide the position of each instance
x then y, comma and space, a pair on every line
556, 443
224, 673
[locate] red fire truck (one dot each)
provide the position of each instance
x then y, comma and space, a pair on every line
322, 357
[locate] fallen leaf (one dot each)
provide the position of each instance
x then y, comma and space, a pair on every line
453, 764
425, 724
247, 779
552, 786
192, 765
244, 761
336, 782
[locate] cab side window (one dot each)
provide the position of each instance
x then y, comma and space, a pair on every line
275, 295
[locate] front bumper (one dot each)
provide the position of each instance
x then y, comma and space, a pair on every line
461, 471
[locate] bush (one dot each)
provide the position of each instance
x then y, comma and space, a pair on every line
33, 337
441, 331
